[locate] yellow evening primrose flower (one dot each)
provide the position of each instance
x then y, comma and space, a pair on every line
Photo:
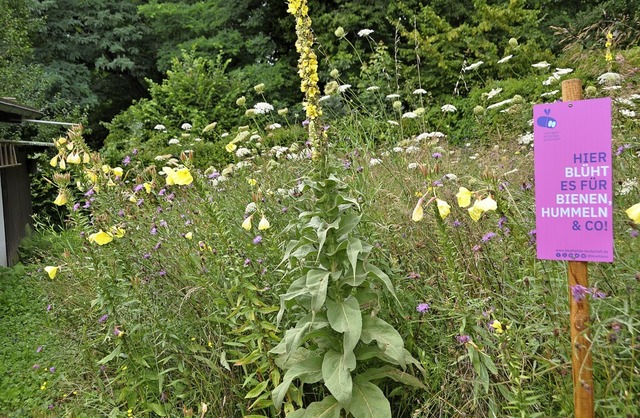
93, 177
52, 271
147, 187
486, 204
230, 147
101, 237
418, 212
54, 161
86, 158
61, 199
464, 197
252, 182
61, 141
169, 172
106, 168
188, 235
117, 232
73, 158
246, 224
634, 213
475, 212
133, 199
263, 224
117, 171
182, 177
497, 326
443, 208
63, 164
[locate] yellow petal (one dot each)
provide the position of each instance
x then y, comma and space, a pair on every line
61, 199
63, 165
634, 213
51, 271
93, 177
106, 169
132, 198
101, 237
147, 187
188, 235
475, 212
263, 224
246, 224
252, 182
464, 197
486, 204
54, 161
182, 177
86, 158
117, 231
170, 173
496, 325
418, 212
230, 147
443, 208
117, 171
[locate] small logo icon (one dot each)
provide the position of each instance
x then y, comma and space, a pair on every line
547, 121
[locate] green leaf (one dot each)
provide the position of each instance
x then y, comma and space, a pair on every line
336, 372
346, 317
347, 224
317, 282
383, 277
391, 373
388, 339
354, 248
157, 409
257, 390
307, 368
111, 355
326, 408
368, 401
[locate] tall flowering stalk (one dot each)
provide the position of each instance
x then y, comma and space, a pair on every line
307, 67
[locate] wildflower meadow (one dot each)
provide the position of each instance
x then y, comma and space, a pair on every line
368, 250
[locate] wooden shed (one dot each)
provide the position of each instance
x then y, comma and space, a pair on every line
15, 193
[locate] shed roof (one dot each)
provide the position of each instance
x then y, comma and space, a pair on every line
10, 111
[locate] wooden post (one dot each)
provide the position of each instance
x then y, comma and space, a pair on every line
579, 310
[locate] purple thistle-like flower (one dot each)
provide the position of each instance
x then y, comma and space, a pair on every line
158, 245
135, 151
247, 261
116, 331
488, 236
36, 366
162, 192
146, 256
162, 273
257, 240
138, 188
457, 223
52, 369
51, 406
436, 155
140, 202
476, 248
597, 294
413, 275
502, 221
305, 122
423, 307
76, 207
526, 186
90, 192
463, 339
579, 292
154, 230
214, 175
126, 160
87, 204
48, 308
634, 233
39, 349
163, 223
103, 318
121, 213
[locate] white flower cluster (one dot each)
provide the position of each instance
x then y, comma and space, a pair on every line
365, 32
262, 108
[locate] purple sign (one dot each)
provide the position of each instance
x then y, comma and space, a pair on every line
573, 182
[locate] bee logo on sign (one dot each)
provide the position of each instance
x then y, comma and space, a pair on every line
547, 121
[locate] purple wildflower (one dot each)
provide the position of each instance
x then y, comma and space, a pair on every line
146, 256
48, 308
76, 207
488, 236
476, 248
214, 175
52, 369
423, 307
138, 188
457, 223
463, 339
305, 122
121, 213
135, 151
39, 349
413, 275
158, 245
154, 230
257, 240
87, 204
162, 273
116, 331
162, 192
163, 223
51, 406
140, 202
579, 292
36, 366
597, 294
90, 192
501, 222
436, 155
247, 261
126, 160
103, 318
633, 233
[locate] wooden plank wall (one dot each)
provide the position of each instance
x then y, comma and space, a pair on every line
16, 197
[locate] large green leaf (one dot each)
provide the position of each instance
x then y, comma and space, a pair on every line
388, 339
326, 408
381, 275
391, 373
354, 248
348, 222
368, 401
345, 317
336, 372
308, 368
317, 282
